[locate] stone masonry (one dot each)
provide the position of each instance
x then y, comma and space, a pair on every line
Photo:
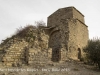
15, 54
17, 51
68, 34
64, 38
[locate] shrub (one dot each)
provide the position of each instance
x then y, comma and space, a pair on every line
29, 29
40, 23
23, 32
93, 51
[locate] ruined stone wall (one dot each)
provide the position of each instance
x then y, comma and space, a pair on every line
78, 37
64, 14
21, 51
58, 39
14, 55
72, 42
68, 34
82, 34
72, 31
38, 54
59, 15
78, 15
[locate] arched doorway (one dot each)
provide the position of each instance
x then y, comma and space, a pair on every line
55, 44
56, 56
79, 53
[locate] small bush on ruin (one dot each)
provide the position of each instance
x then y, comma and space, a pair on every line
40, 24
23, 32
29, 32
26, 32
93, 52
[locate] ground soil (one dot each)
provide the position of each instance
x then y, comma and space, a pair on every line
51, 68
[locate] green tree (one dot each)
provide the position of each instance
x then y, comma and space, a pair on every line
93, 51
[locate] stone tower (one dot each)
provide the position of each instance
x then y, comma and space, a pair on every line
68, 34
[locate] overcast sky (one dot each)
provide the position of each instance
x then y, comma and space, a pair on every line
16, 13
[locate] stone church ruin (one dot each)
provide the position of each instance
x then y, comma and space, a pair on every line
64, 38
68, 33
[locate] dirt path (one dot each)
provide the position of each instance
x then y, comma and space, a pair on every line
65, 68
